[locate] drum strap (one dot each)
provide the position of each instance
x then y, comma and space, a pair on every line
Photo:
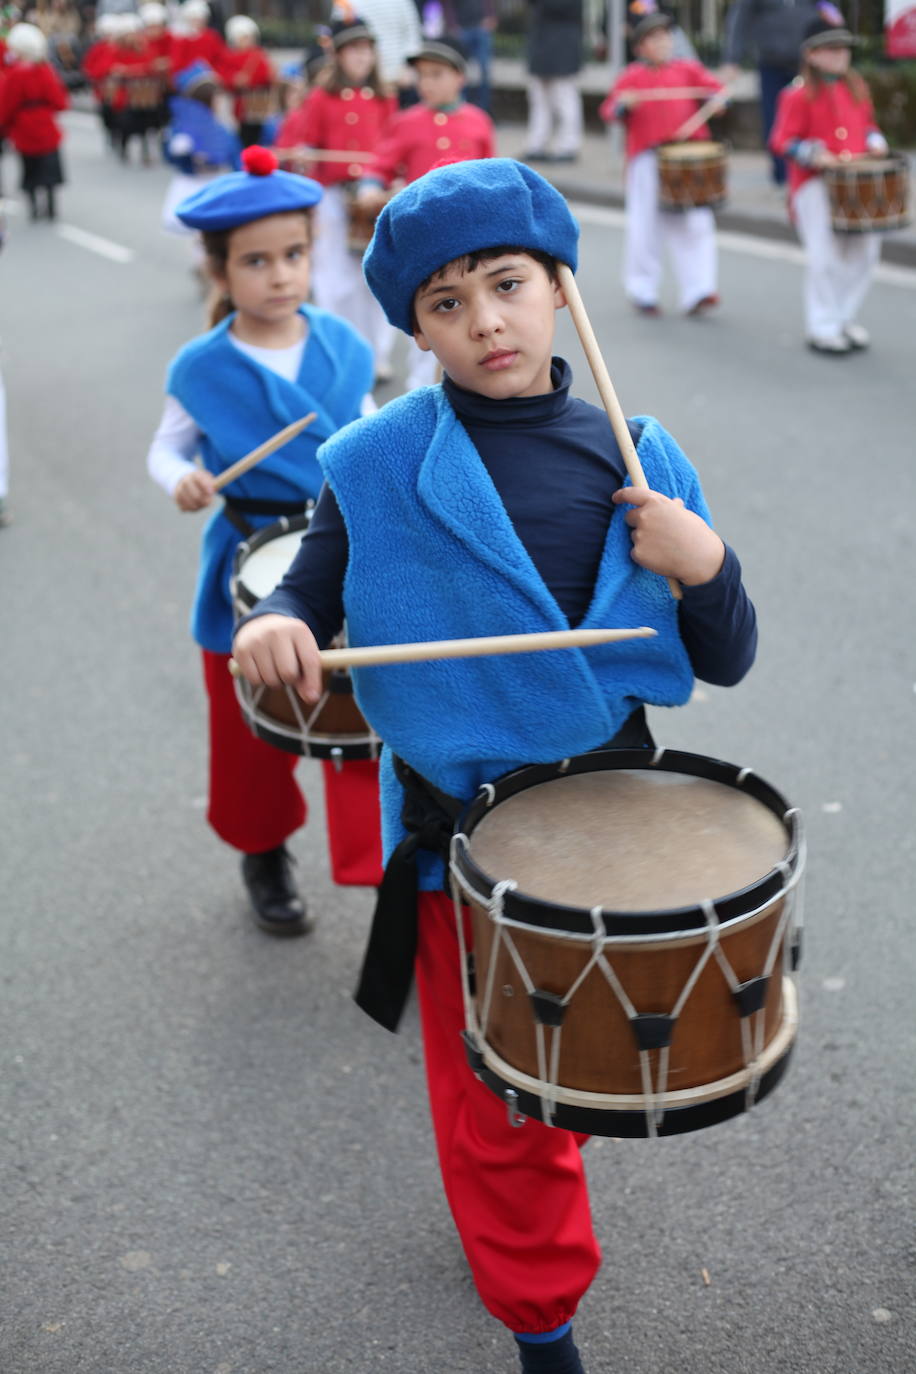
237, 507
429, 817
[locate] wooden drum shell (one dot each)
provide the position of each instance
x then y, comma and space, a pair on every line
868, 195
691, 175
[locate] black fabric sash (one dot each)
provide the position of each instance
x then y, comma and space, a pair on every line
429, 817
237, 507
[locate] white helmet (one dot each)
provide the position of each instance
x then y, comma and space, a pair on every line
28, 42
197, 10
240, 27
153, 14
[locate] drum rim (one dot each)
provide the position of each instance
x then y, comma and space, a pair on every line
287, 524
526, 909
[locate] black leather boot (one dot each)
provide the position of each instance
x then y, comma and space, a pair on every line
277, 905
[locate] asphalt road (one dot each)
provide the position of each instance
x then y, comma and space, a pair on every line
212, 1162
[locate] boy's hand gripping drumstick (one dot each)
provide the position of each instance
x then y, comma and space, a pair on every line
263, 451
478, 647
605, 387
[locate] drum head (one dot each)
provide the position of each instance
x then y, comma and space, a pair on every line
694, 151
262, 560
629, 841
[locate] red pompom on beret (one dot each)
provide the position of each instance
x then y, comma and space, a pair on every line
259, 162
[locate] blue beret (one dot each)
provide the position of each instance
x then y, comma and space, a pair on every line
240, 197
463, 208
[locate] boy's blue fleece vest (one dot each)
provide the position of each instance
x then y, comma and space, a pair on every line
237, 404
433, 555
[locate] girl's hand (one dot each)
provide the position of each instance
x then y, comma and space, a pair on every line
195, 490
670, 539
825, 159
277, 650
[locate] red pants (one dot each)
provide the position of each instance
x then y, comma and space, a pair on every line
256, 804
518, 1194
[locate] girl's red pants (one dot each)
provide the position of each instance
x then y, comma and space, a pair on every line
518, 1194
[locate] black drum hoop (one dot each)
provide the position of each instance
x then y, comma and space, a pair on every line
287, 524
532, 911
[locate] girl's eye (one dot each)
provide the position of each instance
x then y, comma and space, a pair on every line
256, 260
295, 254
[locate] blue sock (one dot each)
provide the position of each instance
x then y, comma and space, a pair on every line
554, 1352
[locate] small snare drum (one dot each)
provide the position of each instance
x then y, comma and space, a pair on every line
868, 195
691, 175
257, 104
636, 925
360, 223
332, 729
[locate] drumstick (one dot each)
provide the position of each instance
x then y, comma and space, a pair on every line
670, 93
263, 451
605, 386
320, 155
379, 654
701, 115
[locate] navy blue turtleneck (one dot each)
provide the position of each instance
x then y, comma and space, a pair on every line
556, 464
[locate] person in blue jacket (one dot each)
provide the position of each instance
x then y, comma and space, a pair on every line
268, 360
512, 514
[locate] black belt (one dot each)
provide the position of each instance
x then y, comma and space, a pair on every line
237, 507
429, 817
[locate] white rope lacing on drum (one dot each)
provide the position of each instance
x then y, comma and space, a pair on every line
489, 793
548, 1096
563, 766
657, 758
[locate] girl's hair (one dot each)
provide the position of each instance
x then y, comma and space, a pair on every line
333, 78
216, 248
814, 82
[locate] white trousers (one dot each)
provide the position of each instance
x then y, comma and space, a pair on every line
838, 267
688, 236
338, 283
4, 447
554, 115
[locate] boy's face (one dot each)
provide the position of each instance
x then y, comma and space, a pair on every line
491, 329
657, 47
438, 83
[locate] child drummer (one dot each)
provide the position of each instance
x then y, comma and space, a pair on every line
689, 236
509, 501
267, 360
825, 119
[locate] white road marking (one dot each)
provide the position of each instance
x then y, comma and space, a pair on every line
115, 252
752, 245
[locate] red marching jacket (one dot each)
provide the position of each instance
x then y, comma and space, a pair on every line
202, 47
657, 121
418, 138
31, 94
351, 120
832, 115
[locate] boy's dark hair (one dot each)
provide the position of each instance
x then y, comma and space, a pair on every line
216, 248
471, 261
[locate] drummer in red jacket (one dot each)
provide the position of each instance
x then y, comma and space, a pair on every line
689, 236
443, 127
824, 119
247, 72
30, 97
194, 40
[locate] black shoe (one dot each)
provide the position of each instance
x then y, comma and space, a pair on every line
278, 907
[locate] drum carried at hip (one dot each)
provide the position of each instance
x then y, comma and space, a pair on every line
868, 195
636, 926
691, 175
334, 728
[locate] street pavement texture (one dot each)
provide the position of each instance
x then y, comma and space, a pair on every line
212, 1162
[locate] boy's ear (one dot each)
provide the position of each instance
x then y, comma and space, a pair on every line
559, 300
422, 342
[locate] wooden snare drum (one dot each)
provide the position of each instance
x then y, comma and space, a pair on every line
691, 175
636, 922
334, 728
868, 195
257, 104
144, 93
